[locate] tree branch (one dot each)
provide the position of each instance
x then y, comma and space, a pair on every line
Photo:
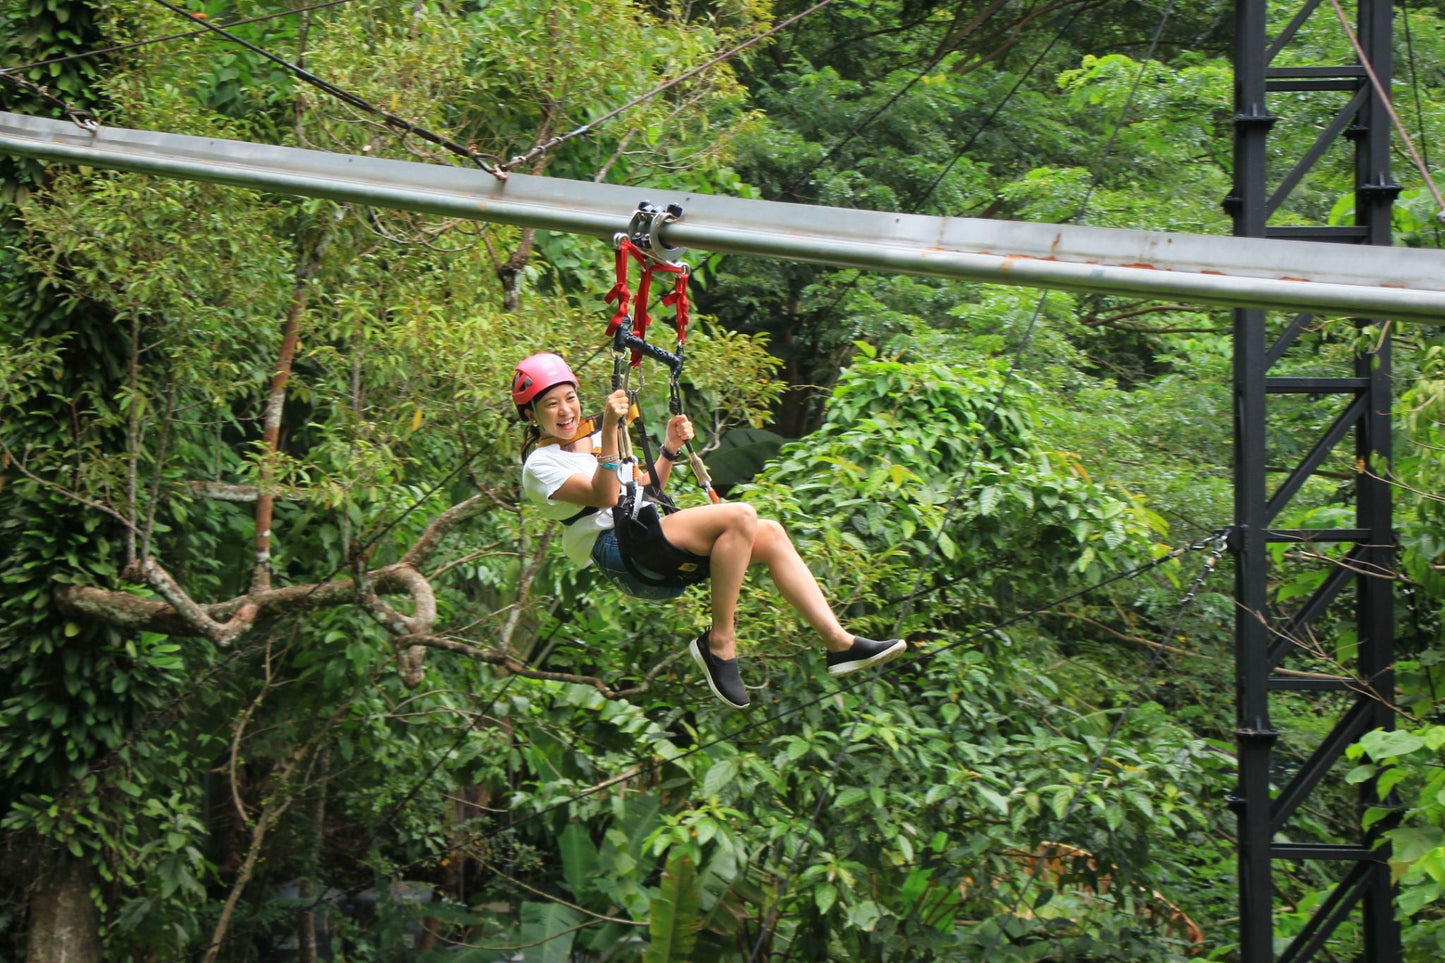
1116, 319
19, 464
129, 611
273, 807
222, 633
422, 549
243, 494
176, 613
308, 262
424, 613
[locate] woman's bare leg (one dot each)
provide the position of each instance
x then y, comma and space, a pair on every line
724, 533
796, 583
733, 537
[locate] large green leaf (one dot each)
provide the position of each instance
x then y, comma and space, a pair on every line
548, 930
579, 859
675, 920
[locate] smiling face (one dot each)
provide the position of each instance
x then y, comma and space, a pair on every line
558, 411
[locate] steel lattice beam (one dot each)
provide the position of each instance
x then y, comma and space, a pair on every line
1266, 637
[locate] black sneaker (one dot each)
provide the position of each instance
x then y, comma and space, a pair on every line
722, 674
865, 652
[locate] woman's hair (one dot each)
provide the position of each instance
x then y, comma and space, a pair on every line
532, 434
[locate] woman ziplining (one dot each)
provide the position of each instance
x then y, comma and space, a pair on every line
572, 477
616, 515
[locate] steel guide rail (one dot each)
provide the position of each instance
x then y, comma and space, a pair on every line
1336, 279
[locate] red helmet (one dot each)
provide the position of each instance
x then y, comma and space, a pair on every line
535, 375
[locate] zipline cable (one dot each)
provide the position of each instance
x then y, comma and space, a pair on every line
391, 120
80, 116
1384, 96
560, 139
388, 118
120, 48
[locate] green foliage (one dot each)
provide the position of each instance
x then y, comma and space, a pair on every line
1420, 468
927, 462
41, 38
935, 496
674, 923
77, 692
1406, 764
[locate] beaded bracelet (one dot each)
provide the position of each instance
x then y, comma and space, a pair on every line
609, 465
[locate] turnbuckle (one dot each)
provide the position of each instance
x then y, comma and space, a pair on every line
1217, 544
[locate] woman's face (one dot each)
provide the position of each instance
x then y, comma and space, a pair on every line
558, 411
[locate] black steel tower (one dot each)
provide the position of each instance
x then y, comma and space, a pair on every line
1329, 651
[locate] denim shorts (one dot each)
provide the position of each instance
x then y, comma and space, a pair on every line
607, 556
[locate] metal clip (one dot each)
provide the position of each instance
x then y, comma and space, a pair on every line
84, 119
654, 233
633, 495
1216, 543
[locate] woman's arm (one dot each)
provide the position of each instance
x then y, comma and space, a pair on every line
679, 433
601, 487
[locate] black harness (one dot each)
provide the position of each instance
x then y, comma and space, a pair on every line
589, 510
646, 551
649, 556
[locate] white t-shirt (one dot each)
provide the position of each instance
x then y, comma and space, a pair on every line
546, 470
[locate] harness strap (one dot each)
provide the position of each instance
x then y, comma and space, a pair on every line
677, 300
589, 510
587, 426
637, 518
619, 292
636, 308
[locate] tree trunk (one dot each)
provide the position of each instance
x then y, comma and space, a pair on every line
64, 923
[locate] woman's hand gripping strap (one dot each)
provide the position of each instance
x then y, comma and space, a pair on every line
694, 460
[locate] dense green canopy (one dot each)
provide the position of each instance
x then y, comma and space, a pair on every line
291, 672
